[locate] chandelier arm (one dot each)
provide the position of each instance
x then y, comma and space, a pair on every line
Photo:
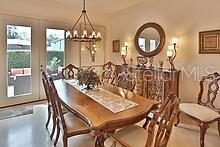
77, 21
87, 47
90, 22
175, 53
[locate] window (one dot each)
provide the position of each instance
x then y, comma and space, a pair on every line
55, 52
19, 60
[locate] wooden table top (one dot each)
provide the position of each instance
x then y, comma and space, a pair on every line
96, 115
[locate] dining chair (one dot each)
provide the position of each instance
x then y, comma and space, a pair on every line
154, 86
68, 71
50, 108
156, 134
108, 73
126, 80
70, 124
205, 112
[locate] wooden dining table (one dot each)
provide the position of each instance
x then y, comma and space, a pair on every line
100, 119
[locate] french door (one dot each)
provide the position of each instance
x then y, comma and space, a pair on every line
20, 61
28, 46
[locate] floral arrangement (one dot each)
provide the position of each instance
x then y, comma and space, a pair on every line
87, 77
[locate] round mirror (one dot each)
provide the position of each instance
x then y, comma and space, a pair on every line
149, 39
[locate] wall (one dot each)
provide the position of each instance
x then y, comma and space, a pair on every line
183, 19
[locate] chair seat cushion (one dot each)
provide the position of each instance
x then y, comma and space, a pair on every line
199, 112
75, 125
133, 135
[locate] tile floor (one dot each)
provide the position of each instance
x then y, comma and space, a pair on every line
29, 131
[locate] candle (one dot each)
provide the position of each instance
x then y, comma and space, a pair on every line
169, 53
93, 34
123, 51
84, 33
126, 44
98, 35
75, 33
68, 34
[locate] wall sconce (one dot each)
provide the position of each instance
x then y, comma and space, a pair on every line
172, 53
124, 52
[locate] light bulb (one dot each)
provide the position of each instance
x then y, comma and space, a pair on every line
126, 44
174, 40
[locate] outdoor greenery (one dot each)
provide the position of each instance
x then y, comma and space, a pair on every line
54, 60
21, 59
18, 59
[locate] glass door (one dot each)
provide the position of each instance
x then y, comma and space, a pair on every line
55, 52
20, 61
19, 78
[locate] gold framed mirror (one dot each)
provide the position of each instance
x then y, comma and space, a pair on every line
149, 39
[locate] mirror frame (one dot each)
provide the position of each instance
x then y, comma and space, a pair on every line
161, 32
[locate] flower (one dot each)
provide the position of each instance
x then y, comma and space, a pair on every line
88, 77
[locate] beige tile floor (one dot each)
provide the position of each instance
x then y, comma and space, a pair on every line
29, 131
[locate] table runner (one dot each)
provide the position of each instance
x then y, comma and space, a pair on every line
109, 100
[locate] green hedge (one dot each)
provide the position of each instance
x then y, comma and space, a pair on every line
21, 59
18, 59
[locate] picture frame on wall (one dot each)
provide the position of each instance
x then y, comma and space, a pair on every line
116, 45
209, 42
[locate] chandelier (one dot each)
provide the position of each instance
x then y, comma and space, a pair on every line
83, 36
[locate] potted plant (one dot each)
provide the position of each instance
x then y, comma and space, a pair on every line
87, 77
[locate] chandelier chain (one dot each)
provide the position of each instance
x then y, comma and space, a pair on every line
84, 5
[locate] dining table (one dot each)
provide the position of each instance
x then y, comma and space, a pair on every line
100, 119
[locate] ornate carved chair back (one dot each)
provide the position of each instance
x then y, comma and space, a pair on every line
108, 71
46, 87
68, 71
209, 99
160, 127
154, 86
57, 105
126, 80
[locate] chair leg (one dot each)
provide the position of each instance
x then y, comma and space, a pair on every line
178, 118
54, 127
48, 118
219, 127
203, 129
146, 122
65, 141
58, 134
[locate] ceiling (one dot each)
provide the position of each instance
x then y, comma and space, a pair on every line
103, 6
